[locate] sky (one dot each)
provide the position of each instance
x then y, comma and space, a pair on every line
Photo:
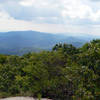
53, 16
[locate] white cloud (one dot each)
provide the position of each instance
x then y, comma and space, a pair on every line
68, 16
27, 2
95, 16
11, 24
35, 3
77, 9
4, 15
8, 23
74, 9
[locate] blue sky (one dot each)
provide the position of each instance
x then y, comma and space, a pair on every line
54, 16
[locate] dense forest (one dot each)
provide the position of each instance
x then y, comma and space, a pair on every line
65, 73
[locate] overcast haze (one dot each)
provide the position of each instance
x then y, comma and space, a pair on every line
54, 16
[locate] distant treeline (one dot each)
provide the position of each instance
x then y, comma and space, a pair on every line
65, 73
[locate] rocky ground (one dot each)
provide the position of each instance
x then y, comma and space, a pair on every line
22, 98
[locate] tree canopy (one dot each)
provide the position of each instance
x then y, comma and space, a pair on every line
65, 73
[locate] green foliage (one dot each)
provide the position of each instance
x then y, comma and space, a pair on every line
65, 73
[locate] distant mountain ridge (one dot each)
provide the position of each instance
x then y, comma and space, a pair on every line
20, 42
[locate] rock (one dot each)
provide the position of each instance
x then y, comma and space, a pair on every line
22, 98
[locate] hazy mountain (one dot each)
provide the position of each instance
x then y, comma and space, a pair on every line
20, 42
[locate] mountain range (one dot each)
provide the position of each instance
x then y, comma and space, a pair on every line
20, 42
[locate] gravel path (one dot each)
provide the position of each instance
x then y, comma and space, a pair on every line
22, 98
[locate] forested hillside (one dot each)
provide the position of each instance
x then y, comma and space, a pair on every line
21, 42
65, 73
